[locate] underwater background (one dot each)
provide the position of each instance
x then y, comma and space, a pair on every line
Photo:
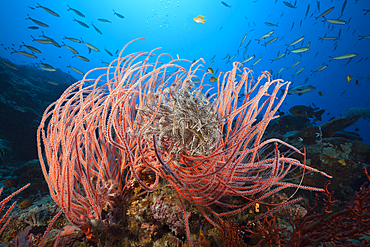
231, 31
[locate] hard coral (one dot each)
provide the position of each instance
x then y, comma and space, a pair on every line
30, 217
168, 212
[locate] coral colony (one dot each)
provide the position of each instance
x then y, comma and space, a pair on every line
143, 116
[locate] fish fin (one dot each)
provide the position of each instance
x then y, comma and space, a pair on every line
300, 94
318, 114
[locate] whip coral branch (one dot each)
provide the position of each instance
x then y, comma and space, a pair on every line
5, 201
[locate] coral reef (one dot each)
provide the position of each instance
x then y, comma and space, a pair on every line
183, 167
343, 227
168, 212
24, 94
358, 111
208, 149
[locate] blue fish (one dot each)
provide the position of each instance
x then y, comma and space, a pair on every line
225, 4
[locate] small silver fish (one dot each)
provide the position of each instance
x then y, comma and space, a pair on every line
9, 64
226, 5
24, 53
31, 48
328, 38
231, 58
119, 15
270, 41
76, 70
321, 68
90, 46
96, 29
298, 71
109, 53
82, 58
37, 22
271, 24
70, 48
279, 56
76, 11
296, 41
248, 59
345, 56
104, 20
294, 65
265, 36
47, 68
289, 5
325, 12
299, 50
336, 21
47, 10
245, 36
107, 64
257, 61
280, 70
42, 41
72, 39
81, 23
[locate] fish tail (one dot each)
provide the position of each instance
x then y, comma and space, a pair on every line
318, 114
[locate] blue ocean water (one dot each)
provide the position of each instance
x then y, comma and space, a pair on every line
170, 25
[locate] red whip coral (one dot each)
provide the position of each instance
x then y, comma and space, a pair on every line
4, 202
146, 114
346, 227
